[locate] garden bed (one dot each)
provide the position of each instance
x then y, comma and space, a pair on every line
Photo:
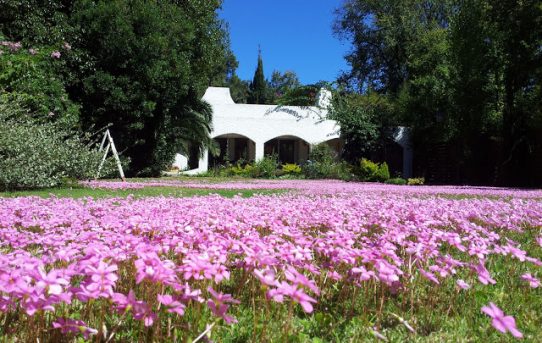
327, 261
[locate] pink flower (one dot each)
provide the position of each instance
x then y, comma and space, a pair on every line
74, 326
51, 281
483, 274
296, 294
125, 303
174, 305
67, 46
140, 310
55, 54
303, 299
501, 322
333, 275
267, 277
301, 280
517, 253
149, 266
533, 282
429, 276
218, 305
462, 284
32, 51
364, 275
101, 283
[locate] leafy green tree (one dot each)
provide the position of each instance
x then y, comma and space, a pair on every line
152, 62
30, 78
225, 62
381, 32
239, 89
517, 34
299, 96
138, 65
464, 75
37, 22
281, 83
362, 119
258, 87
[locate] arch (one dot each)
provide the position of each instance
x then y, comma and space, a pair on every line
233, 148
288, 149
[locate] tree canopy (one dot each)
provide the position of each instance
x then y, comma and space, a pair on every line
464, 75
138, 65
258, 87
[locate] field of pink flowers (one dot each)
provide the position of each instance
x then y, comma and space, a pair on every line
327, 261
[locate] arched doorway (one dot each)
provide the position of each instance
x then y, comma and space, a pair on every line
288, 149
233, 148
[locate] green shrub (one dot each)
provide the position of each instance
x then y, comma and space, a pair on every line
321, 163
247, 170
322, 153
383, 172
40, 155
343, 171
291, 168
266, 167
368, 169
396, 181
372, 171
416, 181
238, 170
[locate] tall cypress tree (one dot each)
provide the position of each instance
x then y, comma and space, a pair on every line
258, 86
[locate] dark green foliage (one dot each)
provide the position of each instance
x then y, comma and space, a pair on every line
322, 153
323, 164
224, 61
281, 84
299, 96
362, 119
37, 22
464, 76
266, 167
239, 89
149, 74
258, 87
31, 80
138, 65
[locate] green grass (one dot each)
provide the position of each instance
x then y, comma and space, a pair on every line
81, 192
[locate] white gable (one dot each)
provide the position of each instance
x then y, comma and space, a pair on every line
218, 96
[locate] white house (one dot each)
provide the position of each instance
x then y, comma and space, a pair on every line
248, 132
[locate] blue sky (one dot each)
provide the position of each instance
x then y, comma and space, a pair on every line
293, 35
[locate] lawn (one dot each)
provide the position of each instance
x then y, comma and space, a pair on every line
98, 193
324, 261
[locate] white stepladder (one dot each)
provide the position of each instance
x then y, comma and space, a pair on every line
110, 145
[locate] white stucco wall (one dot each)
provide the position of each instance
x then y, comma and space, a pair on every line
261, 123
